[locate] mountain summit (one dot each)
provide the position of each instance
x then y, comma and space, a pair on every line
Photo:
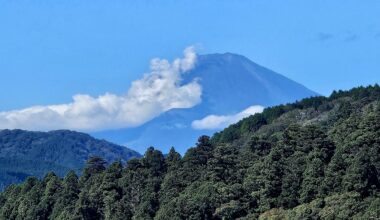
230, 83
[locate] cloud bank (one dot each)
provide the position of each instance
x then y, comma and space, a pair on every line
158, 91
212, 122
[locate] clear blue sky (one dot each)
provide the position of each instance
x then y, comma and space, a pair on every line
51, 50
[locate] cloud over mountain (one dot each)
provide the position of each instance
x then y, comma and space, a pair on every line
212, 122
158, 91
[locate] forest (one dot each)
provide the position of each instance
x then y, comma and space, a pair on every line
30, 153
318, 158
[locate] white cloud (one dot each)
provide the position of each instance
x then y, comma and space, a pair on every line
212, 122
157, 92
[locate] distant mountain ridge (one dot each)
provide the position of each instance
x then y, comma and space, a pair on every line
230, 83
25, 153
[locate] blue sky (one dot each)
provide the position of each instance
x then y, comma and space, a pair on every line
51, 50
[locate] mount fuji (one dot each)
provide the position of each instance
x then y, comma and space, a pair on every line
233, 87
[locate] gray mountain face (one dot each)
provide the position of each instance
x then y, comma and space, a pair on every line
230, 83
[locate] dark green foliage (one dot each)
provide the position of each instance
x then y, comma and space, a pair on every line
318, 158
27, 153
94, 166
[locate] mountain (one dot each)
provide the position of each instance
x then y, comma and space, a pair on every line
26, 153
318, 158
230, 84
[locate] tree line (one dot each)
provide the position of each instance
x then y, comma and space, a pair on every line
318, 158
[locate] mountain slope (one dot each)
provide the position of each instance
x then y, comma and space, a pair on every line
25, 153
230, 83
224, 77
318, 158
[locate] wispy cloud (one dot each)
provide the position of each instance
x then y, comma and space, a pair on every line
350, 36
158, 91
212, 122
347, 36
322, 36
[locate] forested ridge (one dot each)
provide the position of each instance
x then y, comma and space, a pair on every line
31, 153
318, 158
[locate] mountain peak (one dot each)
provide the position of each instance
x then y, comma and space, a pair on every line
230, 84
226, 76
223, 58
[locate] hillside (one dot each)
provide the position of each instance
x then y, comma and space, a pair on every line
223, 77
26, 153
318, 158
